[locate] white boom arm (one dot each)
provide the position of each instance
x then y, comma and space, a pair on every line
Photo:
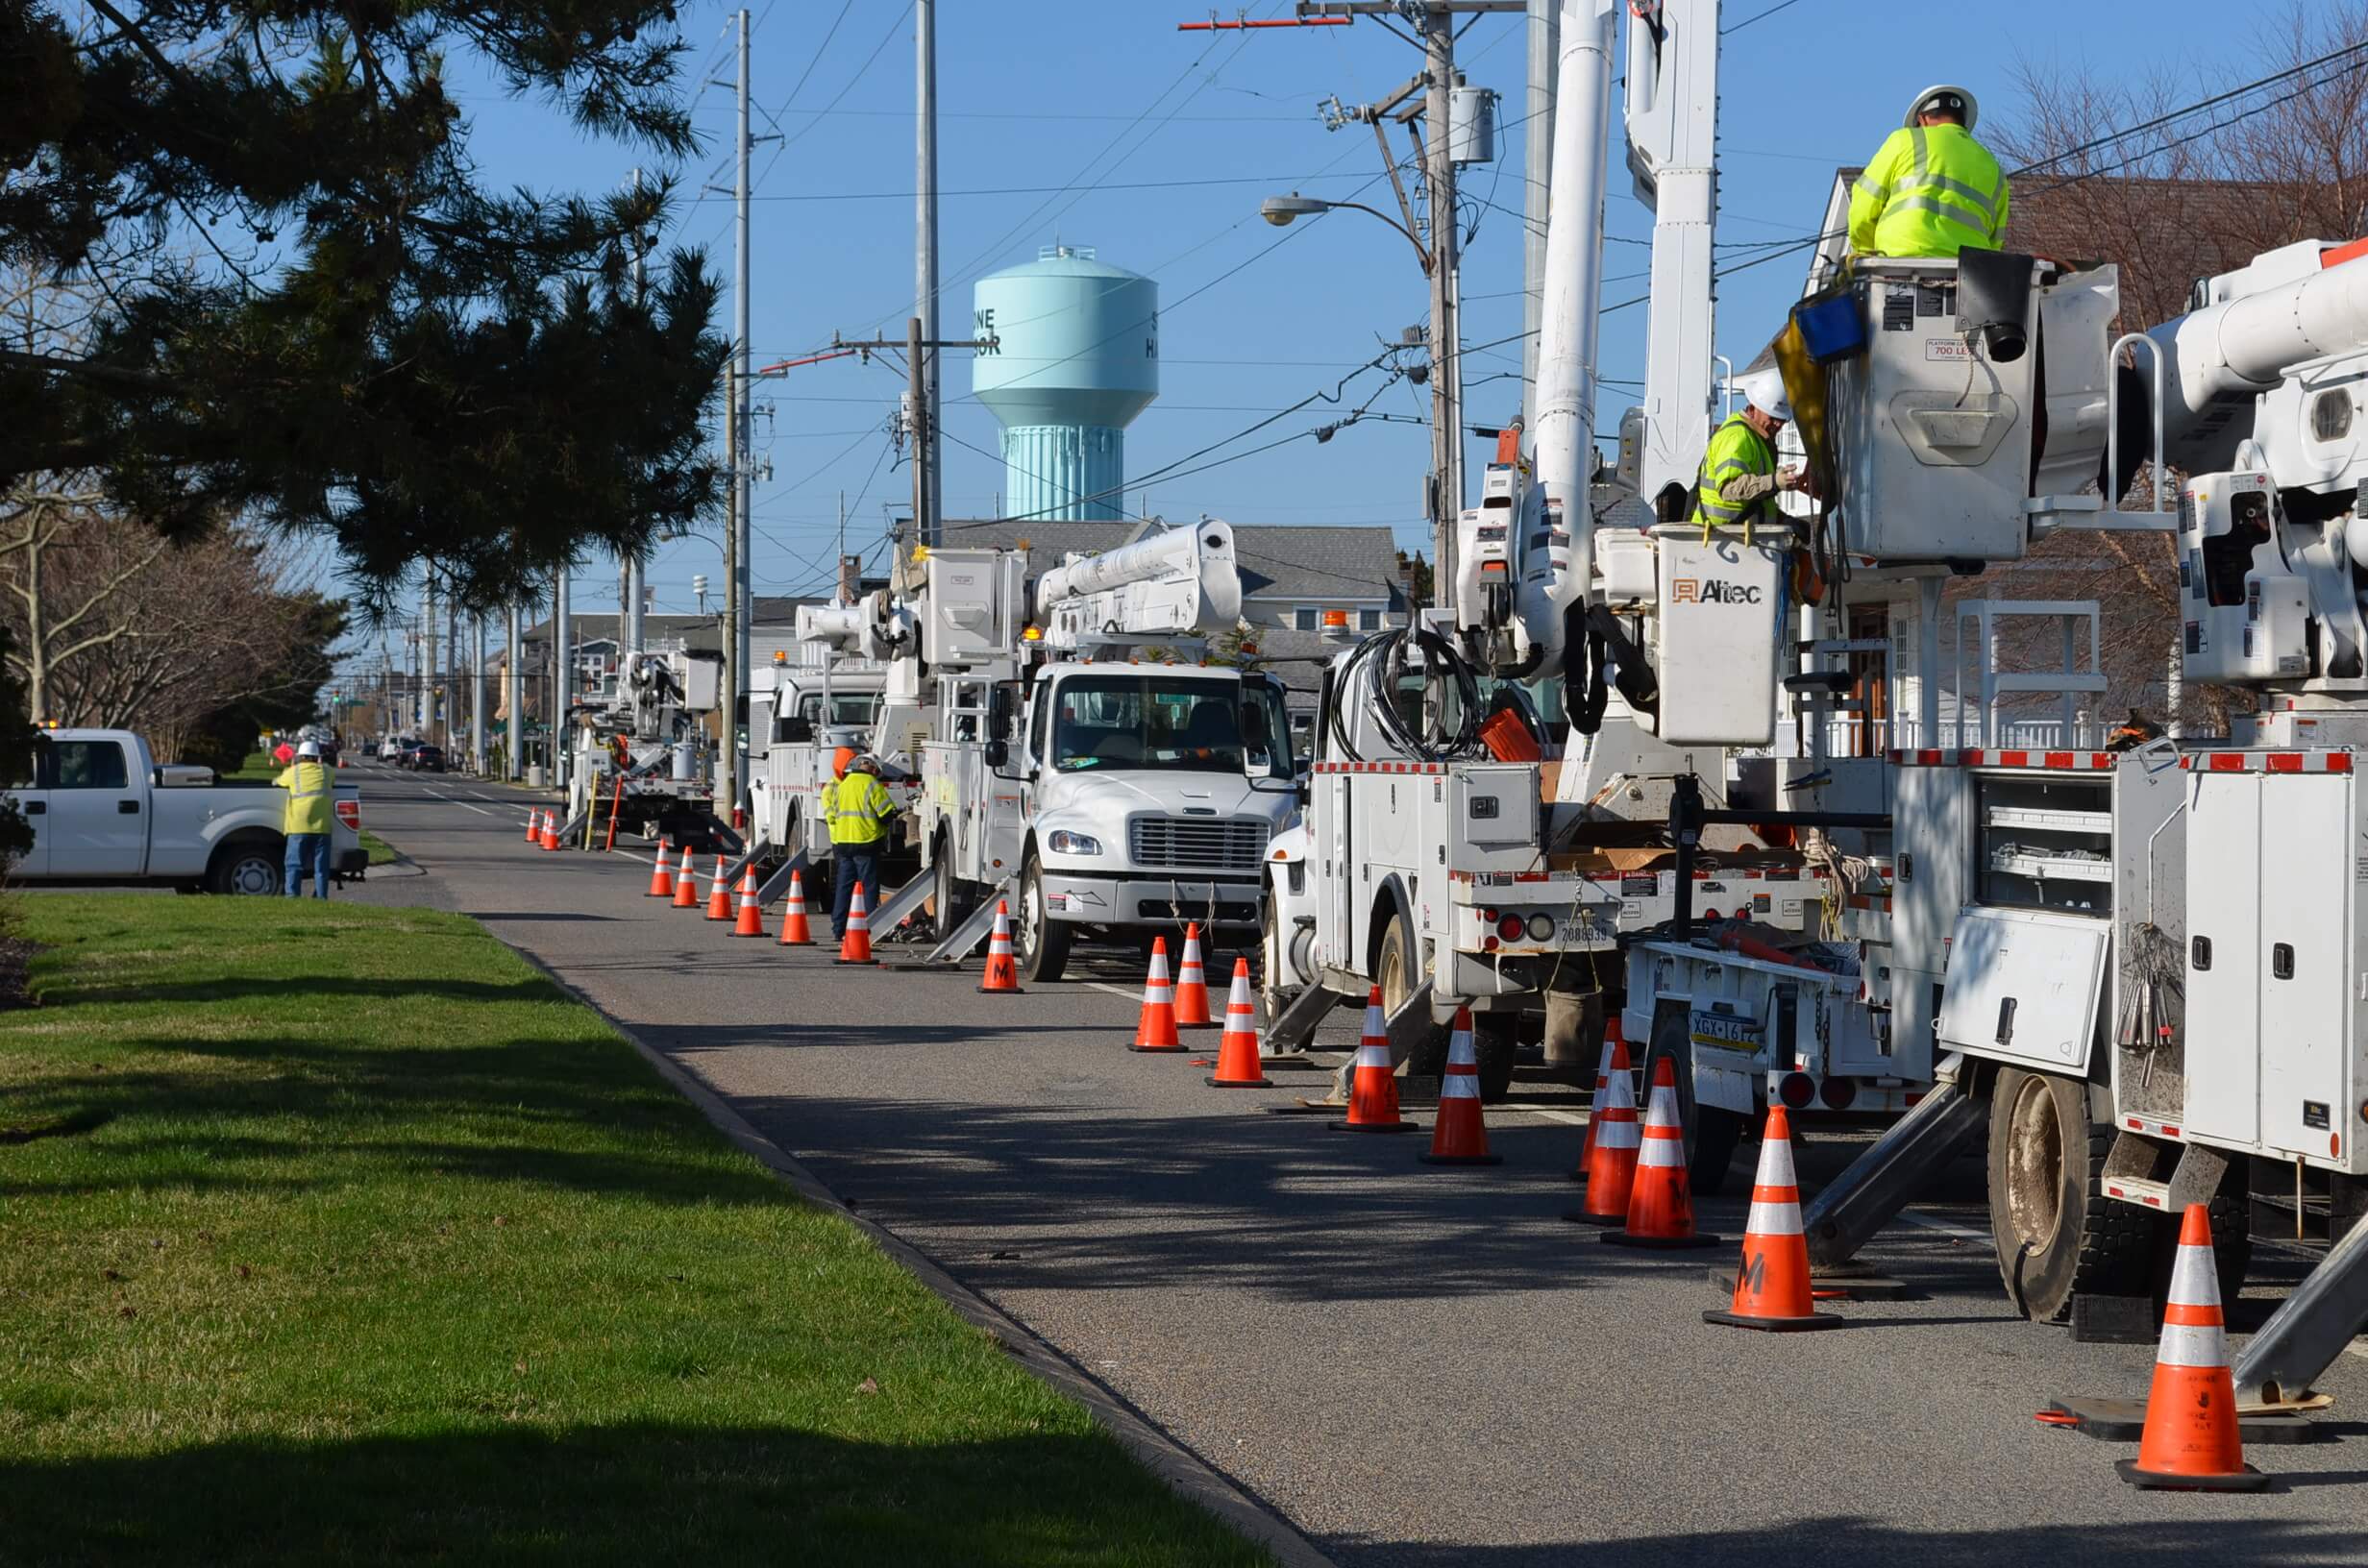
2285, 310
1180, 583
1672, 151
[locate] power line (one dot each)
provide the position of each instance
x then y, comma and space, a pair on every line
1759, 16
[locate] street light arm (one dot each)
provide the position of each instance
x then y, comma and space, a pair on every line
1422, 252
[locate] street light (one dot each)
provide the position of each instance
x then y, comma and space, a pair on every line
1279, 211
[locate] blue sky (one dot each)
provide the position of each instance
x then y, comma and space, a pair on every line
1053, 93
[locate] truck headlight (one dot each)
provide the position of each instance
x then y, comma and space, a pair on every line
1062, 842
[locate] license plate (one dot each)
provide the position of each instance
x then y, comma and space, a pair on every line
1727, 1030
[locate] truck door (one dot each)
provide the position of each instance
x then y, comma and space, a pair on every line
98, 822
29, 798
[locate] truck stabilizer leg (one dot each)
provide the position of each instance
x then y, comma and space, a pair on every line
1881, 1182
777, 883
902, 903
973, 931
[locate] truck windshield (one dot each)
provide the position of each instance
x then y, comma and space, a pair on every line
1138, 722
846, 708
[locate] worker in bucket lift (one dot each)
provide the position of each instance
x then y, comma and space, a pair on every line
1740, 480
858, 809
1932, 189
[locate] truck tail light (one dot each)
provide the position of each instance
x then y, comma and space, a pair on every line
1839, 1093
1796, 1091
349, 812
1713, 915
1511, 927
1540, 927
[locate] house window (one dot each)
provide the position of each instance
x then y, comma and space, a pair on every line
1303, 619
1369, 619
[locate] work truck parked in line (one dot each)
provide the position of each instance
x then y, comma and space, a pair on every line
104, 811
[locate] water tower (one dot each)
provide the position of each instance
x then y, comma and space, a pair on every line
1077, 359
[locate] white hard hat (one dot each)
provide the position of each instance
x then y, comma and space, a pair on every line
1765, 390
1922, 103
310, 748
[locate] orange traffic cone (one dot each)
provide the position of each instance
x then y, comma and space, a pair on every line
1661, 1202
1373, 1092
1002, 975
2191, 1443
1771, 1287
686, 882
795, 931
751, 920
1236, 1049
1612, 1038
1192, 984
1612, 1140
534, 825
550, 830
661, 880
856, 946
719, 892
1155, 1029
1458, 1137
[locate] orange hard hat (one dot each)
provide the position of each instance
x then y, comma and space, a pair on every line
839, 760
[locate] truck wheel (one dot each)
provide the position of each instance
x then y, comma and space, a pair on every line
247, 865
1273, 995
1495, 1041
1398, 969
1042, 942
2055, 1229
1712, 1133
952, 907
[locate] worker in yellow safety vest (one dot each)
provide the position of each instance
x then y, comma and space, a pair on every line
1740, 480
311, 786
1932, 189
858, 808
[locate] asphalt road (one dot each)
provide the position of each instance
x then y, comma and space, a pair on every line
1415, 1367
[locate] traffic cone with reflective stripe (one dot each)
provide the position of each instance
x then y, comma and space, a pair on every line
1611, 1147
751, 920
550, 830
1660, 1201
1155, 1029
856, 946
2190, 1442
686, 882
719, 892
534, 825
1771, 1287
661, 880
795, 931
1192, 984
1458, 1137
1612, 1038
1236, 1049
1003, 976
1373, 1091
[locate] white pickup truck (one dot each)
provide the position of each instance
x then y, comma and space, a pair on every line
103, 811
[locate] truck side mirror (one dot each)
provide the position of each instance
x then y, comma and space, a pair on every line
797, 732
999, 754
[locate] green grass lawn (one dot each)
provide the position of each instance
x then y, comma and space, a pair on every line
382, 853
331, 1234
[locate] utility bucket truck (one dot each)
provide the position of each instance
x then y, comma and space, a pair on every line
640, 750
1073, 756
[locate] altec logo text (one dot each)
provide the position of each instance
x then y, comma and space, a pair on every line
1697, 590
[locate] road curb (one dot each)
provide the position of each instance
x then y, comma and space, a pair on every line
1184, 1471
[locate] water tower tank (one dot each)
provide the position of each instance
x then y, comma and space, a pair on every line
1077, 359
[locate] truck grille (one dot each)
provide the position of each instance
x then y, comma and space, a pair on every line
1199, 845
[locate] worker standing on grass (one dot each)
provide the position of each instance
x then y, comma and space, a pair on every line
1932, 189
857, 807
311, 786
1740, 480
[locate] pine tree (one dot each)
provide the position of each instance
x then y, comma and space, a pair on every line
369, 345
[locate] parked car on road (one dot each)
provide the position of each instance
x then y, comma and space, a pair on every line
102, 811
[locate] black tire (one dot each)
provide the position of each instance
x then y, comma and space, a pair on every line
1398, 969
1712, 1133
2055, 1231
1042, 943
1495, 1041
953, 908
1273, 995
253, 866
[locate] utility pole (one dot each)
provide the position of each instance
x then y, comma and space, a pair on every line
628, 616
927, 403
726, 772
562, 670
476, 699
1536, 160
1435, 23
514, 699
736, 570
916, 344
